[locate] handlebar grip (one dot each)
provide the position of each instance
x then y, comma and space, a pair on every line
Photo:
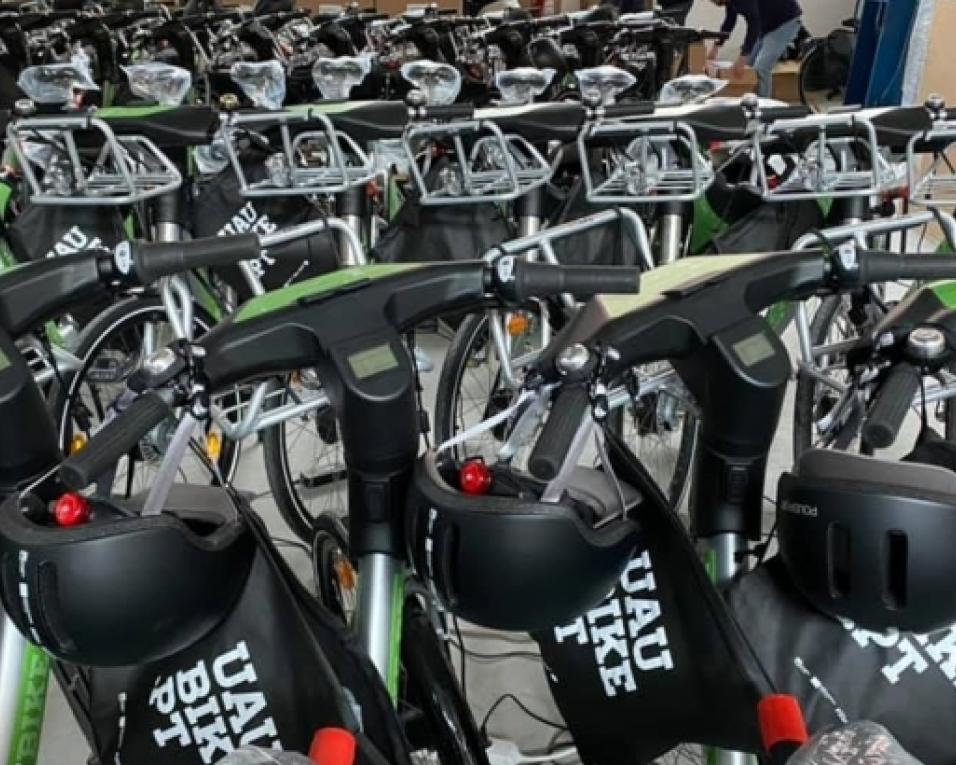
583, 282
640, 109
115, 439
153, 260
893, 401
567, 411
876, 267
449, 112
774, 113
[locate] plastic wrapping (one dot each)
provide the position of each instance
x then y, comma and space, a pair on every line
55, 83
917, 52
856, 743
252, 755
521, 85
165, 84
335, 77
691, 88
262, 82
605, 83
439, 82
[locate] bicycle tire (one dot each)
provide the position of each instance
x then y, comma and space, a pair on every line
103, 328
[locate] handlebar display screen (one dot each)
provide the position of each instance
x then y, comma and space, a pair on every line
754, 349
372, 361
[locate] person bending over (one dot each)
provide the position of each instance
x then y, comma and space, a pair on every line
771, 26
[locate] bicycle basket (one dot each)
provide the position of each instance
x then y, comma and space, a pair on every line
644, 162
79, 160
931, 166
498, 167
834, 156
308, 155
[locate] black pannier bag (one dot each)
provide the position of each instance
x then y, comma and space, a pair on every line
275, 670
905, 682
661, 660
420, 233
771, 227
220, 210
46, 231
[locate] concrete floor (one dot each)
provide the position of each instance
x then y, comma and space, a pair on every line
487, 679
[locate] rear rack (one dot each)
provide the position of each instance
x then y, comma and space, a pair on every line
931, 166
499, 167
107, 170
842, 160
649, 162
317, 159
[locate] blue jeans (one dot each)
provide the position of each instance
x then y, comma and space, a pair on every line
768, 51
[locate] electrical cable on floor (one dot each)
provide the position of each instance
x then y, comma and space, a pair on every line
483, 729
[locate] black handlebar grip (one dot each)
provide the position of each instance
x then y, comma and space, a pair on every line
893, 401
774, 113
449, 112
114, 440
876, 267
533, 280
639, 109
567, 412
153, 260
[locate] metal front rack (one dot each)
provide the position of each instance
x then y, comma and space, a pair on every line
647, 162
312, 157
100, 168
931, 166
842, 159
498, 167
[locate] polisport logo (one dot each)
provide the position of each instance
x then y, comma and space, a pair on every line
215, 709
798, 508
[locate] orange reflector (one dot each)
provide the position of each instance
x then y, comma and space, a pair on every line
213, 445
345, 574
518, 324
77, 442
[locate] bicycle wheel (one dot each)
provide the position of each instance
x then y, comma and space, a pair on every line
110, 348
817, 420
304, 462
660, 428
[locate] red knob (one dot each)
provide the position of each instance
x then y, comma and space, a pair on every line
332, 746
72, 510
474, 477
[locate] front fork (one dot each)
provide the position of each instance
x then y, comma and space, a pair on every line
24, 678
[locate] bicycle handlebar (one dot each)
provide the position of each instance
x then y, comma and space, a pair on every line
114, 440
552, 447
893, 401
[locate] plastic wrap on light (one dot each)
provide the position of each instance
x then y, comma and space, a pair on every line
163, 83
856, 743
605, 83
262, 82
335, 77
439, 82
522, 85
691, 88
55, 83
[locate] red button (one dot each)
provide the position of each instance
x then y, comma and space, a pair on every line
474, 477
332, 746
71, 510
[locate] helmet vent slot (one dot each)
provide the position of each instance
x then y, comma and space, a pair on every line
49, 609
838, 542
895, 554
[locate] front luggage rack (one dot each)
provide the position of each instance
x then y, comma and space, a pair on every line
836, 156
931, 166
497, 168
310, 156
647, 161
78, 160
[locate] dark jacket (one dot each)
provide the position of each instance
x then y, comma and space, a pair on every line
762, 16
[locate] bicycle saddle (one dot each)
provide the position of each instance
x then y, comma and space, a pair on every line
604, 83
163, 83
335, 77
54, 83
871, 540
522, 85
439, 82
262, 82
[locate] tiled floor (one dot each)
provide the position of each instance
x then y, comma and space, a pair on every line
487, 679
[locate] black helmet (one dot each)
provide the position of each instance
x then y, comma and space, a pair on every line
125, 590
509, 561
871, 540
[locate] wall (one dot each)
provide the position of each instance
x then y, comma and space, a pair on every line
819, 16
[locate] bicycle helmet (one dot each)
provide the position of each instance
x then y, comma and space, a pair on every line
871, 540
123, 590
509, 561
